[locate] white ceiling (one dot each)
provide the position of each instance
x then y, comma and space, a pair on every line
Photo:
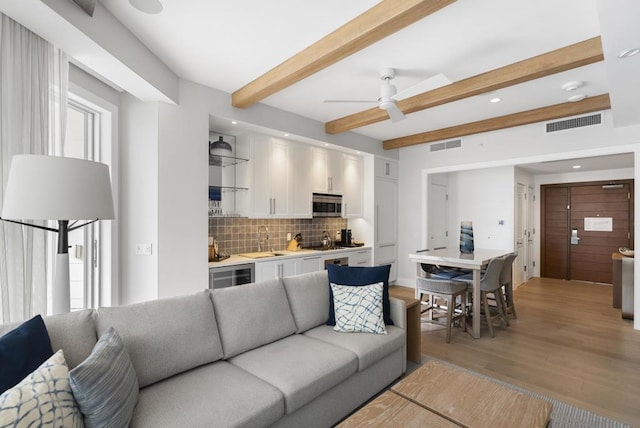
225, 45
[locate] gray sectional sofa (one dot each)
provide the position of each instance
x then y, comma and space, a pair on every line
255, 355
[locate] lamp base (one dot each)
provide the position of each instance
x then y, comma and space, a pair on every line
61, 285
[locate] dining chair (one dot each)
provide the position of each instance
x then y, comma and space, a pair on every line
489, 284
448, 290
506, 282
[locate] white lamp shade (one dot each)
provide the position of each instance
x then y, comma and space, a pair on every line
57, 188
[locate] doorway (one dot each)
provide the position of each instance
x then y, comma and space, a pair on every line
582, 225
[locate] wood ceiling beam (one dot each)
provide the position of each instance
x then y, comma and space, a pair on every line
588, 105
567, 58
380, 21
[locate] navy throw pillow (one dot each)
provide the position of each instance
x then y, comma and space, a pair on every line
359, 276
23, 350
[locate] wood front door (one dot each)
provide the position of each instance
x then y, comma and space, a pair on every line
582, 225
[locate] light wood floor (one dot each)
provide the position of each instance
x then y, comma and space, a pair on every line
568, 343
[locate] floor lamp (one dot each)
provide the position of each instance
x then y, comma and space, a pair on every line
43, 187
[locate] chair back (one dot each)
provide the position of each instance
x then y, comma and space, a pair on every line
491, 279
506, 272
440, 286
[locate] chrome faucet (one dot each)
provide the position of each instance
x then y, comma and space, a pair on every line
262, 241
326, 239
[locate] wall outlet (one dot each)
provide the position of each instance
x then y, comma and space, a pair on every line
289, 236
143, 249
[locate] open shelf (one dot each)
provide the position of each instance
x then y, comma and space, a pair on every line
217, 160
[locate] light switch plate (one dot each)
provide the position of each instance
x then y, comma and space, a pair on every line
143, 249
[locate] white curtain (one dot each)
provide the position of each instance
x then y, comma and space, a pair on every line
33, 100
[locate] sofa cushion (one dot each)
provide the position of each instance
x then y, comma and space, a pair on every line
167, 336
105, 385
358, 309
358, 276
252, 315
22, 350
308, 296
216, 394
368, 347
299, 366
42, 399
75, 333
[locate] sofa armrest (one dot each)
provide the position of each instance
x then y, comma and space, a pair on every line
398, 312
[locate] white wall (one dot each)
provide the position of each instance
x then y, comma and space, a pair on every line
514, 146
138, 191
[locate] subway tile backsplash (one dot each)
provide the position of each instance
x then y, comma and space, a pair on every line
240, 235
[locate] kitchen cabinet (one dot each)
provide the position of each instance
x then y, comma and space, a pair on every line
309, 264
360, 258
270, 177
226, 186
352, 186
385, 232
300, 192
274, 269
326, 168
385, 168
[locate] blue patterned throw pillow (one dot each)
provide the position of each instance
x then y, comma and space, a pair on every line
22, 350
105, 384
42, 399
358, 309
359, 276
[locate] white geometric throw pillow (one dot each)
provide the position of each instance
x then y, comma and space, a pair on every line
358, 309
42, 399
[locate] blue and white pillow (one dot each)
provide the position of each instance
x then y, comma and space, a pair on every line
42, 399
358, 309
105, 384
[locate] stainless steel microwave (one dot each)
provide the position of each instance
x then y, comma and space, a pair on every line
326, 205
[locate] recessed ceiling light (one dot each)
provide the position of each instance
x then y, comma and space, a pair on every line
286, 135
576, 167
576, 98
234, 122
152, 7
495, 100
628, 53
326, 144
572, 86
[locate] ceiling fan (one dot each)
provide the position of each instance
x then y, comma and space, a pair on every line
389, 94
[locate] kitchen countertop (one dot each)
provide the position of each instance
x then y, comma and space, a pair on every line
285, 254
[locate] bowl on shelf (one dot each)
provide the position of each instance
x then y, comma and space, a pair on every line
625, 251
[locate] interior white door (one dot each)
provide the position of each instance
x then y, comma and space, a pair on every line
530, 233
438, 218
519, 266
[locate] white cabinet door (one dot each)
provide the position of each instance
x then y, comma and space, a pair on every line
352, 186
309, 264
270, 184
360, 258
261, 184
300, 190
326, 169
274, 269
386, 206
385, 168
279, 177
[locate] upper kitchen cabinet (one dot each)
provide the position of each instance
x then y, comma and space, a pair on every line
385, 168
327, 171
300, 193
270, 168
352, 186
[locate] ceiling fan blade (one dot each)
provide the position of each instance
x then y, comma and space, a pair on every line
394, 113
433, 82
350, 101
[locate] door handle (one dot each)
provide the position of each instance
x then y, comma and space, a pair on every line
575, 240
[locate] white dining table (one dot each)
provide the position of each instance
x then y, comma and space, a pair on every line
452, 257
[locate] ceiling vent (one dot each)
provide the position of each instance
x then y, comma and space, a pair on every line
576, 122
453, 144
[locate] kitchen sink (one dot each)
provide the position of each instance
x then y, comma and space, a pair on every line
261, 254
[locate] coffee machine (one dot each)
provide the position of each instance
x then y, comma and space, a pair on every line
345, 236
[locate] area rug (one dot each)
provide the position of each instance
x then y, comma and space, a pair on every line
563, 415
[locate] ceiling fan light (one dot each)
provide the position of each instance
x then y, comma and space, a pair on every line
572, 86
576, 98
